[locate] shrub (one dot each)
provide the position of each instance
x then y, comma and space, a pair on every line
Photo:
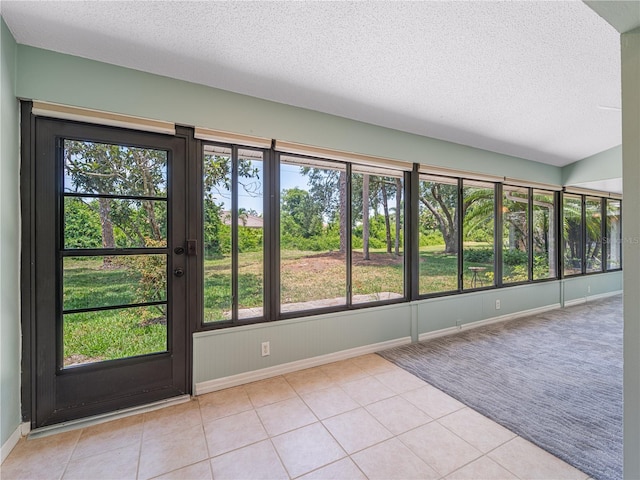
515, 257
479, 255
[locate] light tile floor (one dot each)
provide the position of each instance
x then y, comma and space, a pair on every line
355, 419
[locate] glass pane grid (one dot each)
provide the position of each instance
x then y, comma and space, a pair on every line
438, 234
478, 234
312, 235
233, 232
114, 198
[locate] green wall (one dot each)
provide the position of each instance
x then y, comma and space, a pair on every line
9, 241
219, 354
86, 83
605, 165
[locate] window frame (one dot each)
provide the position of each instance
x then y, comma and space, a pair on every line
411, 183
267, 301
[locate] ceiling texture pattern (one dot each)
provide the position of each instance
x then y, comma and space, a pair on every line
534, 79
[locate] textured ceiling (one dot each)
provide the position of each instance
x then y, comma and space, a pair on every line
522, 78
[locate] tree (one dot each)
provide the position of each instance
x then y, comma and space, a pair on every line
300, 215
365, 217
328, 188
106, 169
441, 200
217, 186
398, 214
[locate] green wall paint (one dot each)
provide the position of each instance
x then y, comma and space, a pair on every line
9, 241
224, 353
576, 288
605, 165
446, 312
80, 82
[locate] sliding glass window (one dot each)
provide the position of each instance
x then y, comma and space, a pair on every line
478, 212
233, 233
313, 261
593, 239
613, 235
544, 235
377, 204
515, 234
438, 234
572, 234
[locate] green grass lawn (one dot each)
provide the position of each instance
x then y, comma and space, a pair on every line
107, 334
305, 276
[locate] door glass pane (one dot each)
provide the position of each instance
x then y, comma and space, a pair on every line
313, 268
105, 169
438, 234
572, 225
250, 234
377, 269
114, 223
593, 244
216, 207
477, 234
613, 243
515, 234
114, 197
111, 334
544, 235
95, 282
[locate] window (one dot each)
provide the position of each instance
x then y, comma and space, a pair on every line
544, 235
613, 235
515, 234
438, 234
377, 235
572, 234
478, 233
233, 233
333, 234
313, 260
593, 239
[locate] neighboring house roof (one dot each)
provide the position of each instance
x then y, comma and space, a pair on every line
244, 219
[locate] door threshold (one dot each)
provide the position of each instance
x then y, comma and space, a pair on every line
105, 417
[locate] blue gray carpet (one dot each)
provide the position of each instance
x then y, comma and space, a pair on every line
554, 379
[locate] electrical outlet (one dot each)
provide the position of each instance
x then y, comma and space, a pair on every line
266, 349
459, 324
497, 304
588, 288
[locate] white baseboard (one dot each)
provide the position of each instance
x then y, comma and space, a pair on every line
575, 301
591, 298
208, 386
13, 440
502, 318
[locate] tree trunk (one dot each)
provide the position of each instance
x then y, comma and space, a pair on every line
153, 223
387, 224
552, 242
343, 211
398, 214
149, 189
450, 235
365, 217
108, 240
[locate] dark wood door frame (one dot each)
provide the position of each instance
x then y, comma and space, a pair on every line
39, 269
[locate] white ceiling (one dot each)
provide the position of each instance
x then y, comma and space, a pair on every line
525, 78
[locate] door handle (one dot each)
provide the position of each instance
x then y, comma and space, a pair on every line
178, 272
